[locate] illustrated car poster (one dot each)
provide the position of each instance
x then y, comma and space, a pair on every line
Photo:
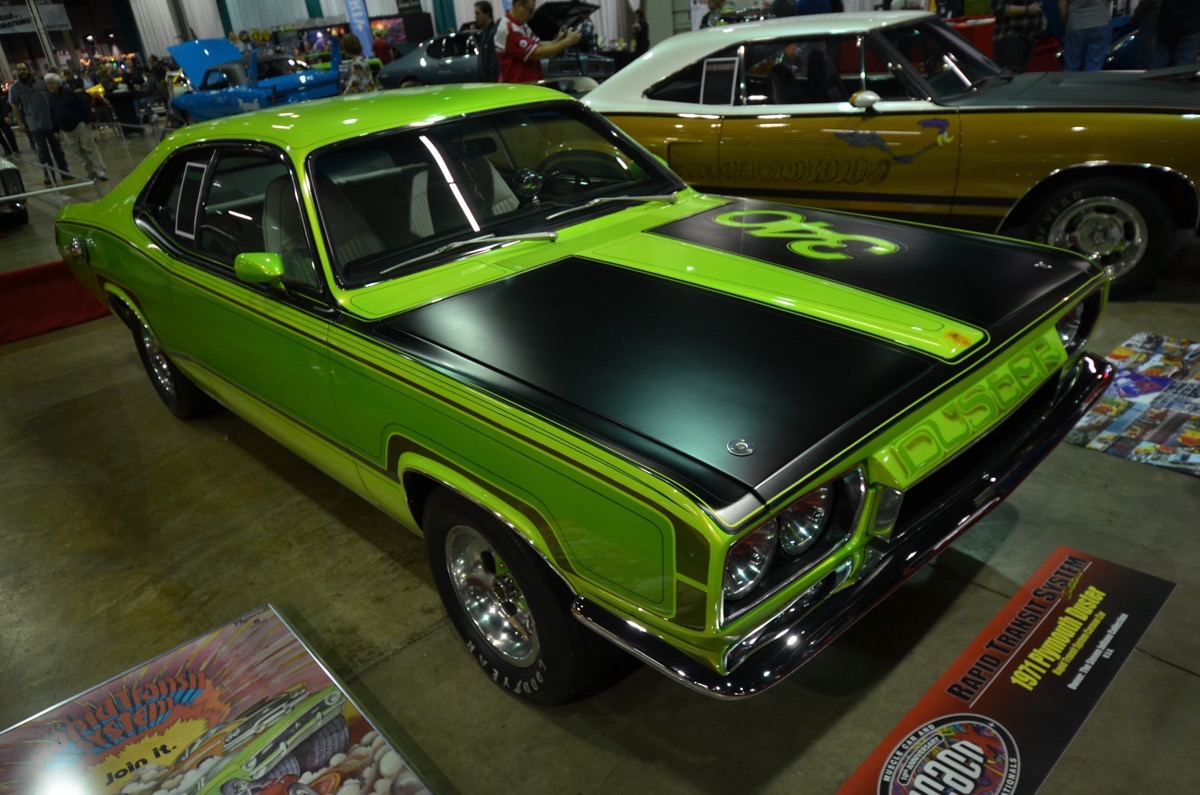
999, 719
1151, 411
246, 709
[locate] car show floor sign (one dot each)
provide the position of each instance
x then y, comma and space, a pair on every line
1150, 413
1002, 715
245, 708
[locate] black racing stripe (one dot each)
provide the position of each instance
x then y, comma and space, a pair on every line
668, 373
992, 283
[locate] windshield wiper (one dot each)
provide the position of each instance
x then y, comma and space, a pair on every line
657, 197
485, 240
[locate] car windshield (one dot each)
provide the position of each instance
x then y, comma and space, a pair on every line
396, 202
947, 61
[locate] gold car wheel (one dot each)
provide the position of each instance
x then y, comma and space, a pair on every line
1126, 228
1109, 230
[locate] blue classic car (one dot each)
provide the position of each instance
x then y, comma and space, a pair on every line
226, 82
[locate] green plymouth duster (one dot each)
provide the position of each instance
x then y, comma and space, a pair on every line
625, 416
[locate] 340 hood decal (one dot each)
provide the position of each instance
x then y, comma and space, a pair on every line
940, 272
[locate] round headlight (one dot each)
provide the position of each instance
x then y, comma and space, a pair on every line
748, 560
802, 523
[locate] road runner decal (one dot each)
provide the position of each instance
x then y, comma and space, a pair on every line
912, 264
875, 140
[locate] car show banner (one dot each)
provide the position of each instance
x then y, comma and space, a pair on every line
999, 719
15, 16
245, 708
1150, 413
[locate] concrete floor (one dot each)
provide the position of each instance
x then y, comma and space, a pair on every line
125, 532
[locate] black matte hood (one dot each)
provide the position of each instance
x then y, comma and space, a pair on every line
671, 373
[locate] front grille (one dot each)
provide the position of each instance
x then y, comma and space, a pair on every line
970, 468
10, 180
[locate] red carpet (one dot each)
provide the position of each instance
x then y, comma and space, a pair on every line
36, 300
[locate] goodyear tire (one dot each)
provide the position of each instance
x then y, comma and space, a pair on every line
180, 395
331, 739
509, 609
1122, 226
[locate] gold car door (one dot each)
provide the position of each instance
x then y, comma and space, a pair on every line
805, 131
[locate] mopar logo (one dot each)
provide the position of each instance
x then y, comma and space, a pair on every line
975, 410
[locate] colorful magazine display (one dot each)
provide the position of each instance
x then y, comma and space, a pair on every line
1151, 411
244, 710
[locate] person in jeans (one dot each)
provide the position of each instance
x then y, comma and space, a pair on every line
7, 139
31, 106
1088, 34
71, 116
1168, 32
1018, 25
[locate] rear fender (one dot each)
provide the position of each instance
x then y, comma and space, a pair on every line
1177, 190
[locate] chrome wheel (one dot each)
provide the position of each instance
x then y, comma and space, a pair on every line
491, 596
156, 361
1110, 230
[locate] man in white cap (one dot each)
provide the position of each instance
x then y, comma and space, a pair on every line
71, 116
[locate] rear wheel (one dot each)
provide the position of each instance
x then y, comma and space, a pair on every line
1121, 226
511, 611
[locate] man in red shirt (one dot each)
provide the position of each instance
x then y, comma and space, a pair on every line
381, 48
519, 51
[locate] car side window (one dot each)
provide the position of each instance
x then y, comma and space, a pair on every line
239, 201
884, 75
803, 71
436, 47
711, 81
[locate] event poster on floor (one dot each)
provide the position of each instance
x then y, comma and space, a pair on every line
1150, 413
245, 708
1000, 718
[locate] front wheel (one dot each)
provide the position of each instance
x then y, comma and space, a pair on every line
509, 609
184, 399
1121, 226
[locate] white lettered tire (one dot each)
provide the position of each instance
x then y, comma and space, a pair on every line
511, 611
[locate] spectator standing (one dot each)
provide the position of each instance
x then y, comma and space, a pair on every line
641, 31
1178, 39
31, 107
485, 22
519, 52
782, 8
360, 79
716, 10
71, 114
72, 80
1018, 25
804, 7
381, 48
1088, 34
7, 139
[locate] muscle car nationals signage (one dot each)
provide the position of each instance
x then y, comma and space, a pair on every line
15, 16
998, 720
